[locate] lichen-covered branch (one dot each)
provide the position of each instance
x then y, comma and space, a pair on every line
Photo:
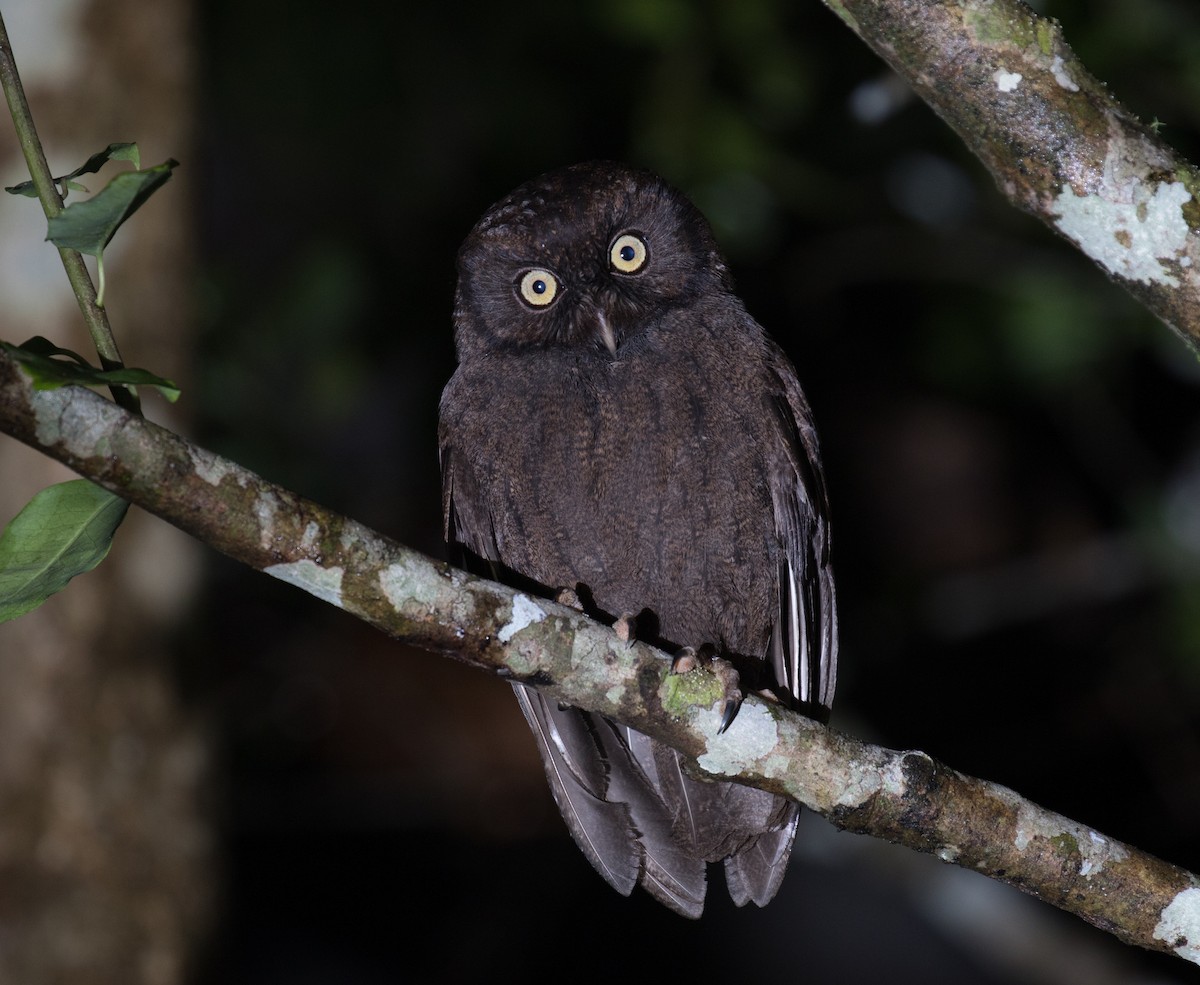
1056, 140
904, 797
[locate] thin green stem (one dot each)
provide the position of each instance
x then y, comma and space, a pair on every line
43, 181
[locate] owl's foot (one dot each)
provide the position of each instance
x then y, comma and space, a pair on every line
689, 658
567, 597
626, 628
728, 676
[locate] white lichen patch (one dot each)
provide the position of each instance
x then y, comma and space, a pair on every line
776, 764
1128, 232
1007, 81
525, 612
858, 790
1179, 925
948, 853
1100, 851
352, 535
46, 418
1059, 69
1095, 851
87, 427
212, 468
861, 786
265, 508
82, 427
308, 539
895, 783
752, 735
399, 583
324, 583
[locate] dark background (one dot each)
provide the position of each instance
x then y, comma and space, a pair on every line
1012, 448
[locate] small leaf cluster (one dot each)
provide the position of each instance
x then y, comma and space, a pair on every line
90, 225
67, 529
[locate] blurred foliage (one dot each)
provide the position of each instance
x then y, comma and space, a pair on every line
1011, 443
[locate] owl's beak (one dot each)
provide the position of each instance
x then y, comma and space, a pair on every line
606, 333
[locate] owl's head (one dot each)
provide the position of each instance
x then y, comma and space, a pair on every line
587, 256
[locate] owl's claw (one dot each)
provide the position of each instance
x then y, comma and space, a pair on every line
731, 709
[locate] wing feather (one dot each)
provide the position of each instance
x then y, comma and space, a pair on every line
755, 874
803, 646
602, 829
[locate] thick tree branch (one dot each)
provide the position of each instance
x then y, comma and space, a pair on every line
904, 797
1057, 142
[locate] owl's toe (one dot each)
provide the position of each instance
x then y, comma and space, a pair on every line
685, 660
567, 597
626, 628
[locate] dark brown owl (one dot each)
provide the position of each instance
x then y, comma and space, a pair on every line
618, 425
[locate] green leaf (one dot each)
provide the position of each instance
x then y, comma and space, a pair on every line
45, 363
88, 226
113, 152
41, 346
62, 532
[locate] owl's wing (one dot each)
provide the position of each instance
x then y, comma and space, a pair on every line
463, 522
803, 646
803, 650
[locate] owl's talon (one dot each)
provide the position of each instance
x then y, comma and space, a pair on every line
732, 706
727, 674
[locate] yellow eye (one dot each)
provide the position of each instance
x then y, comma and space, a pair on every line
627, 253
538, 287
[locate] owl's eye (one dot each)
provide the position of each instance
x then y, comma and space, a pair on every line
628, 253
538, 287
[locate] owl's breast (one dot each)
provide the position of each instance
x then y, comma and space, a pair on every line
634, 480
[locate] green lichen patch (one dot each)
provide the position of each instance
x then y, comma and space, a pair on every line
1190, 180
1065, 843
993, 24
1045, 36
680, 693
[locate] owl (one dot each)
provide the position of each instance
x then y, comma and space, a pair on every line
618, 428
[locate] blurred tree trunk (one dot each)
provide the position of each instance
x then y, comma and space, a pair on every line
105, 847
